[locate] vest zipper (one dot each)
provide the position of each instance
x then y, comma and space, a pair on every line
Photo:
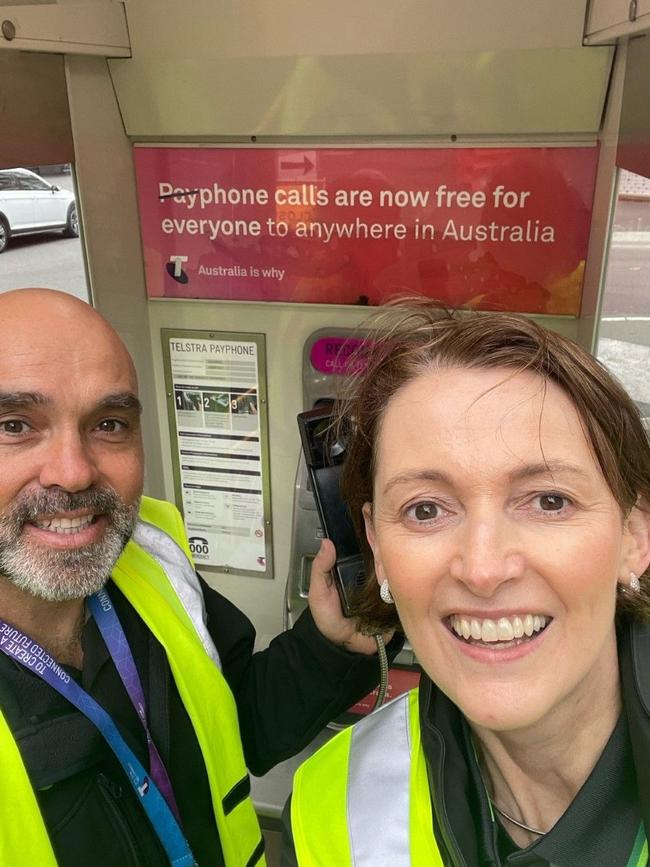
450, 841
435, 777
110, 792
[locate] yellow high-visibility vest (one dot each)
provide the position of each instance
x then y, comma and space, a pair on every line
363, 798
156, 574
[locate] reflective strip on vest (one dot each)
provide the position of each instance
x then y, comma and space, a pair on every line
182, 577
379, 786
371, 783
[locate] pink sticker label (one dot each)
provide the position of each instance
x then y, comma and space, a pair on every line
332, 355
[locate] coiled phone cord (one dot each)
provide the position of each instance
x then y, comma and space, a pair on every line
383, 670
383, 680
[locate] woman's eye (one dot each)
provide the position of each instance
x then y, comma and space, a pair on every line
552, 502
423, 511
14, 426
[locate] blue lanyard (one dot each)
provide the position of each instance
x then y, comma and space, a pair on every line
15, 644
111, 630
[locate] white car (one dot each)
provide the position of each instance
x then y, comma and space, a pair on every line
29, 204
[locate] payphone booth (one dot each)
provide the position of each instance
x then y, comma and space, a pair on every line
260, 263
252, 179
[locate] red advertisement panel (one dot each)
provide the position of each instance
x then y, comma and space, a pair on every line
489, 228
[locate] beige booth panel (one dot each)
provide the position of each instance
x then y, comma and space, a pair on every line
285, 28
475, 93
359, 69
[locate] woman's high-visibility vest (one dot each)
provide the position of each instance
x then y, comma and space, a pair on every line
363, 798
156, 575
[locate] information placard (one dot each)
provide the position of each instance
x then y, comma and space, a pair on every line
487, 228
216, 388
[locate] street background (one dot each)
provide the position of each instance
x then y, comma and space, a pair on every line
47, 259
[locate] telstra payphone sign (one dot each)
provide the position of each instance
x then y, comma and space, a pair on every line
489, 228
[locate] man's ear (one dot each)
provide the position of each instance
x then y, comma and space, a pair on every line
372, 541
637, 542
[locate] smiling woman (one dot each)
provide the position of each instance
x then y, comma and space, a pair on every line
499, 479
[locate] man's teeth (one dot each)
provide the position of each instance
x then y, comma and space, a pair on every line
66, 525
503, 629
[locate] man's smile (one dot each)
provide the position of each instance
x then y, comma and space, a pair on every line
64, 524
63, 532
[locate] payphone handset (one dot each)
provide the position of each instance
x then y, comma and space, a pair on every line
324, 455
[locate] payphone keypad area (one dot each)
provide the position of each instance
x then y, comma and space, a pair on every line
323, 368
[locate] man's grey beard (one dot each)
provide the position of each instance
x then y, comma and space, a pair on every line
60, 575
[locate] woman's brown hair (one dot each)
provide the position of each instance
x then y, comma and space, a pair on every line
412, 336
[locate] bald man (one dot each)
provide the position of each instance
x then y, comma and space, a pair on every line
131, 703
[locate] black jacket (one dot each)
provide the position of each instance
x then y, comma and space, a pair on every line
284, 696
600, 825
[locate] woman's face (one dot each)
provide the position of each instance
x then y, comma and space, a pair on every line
491, 518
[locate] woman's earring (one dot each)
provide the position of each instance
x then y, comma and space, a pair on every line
635, 584
384, 592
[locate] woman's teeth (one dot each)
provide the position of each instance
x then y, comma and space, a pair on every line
65, 525
503, 629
